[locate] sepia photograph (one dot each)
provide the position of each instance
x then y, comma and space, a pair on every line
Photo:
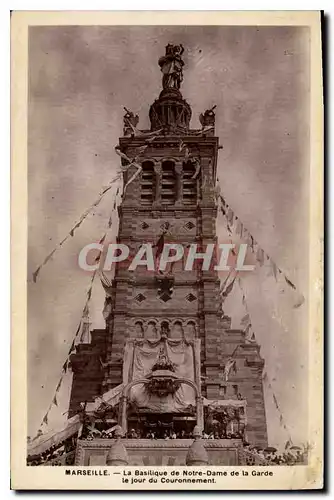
170, 273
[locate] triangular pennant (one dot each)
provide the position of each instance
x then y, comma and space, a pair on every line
299, 302
260, 256
72, 348
102, 239
281, 420
98, 257
65, 366
228, 289
110, 222
48, 257
275, 401
289, 283
272, 269
59, 384
85, 312
54, 401
230, 215
245, 321
45, 419
35, 274
238, 228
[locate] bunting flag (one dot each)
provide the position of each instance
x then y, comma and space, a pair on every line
260, 256
133, 162
277, 406
234, 223
238, 228
228, 289
245, 321
275, 401
230, 365
83, 326
75, 226
222, 288
59, 384
135, 175
299, 302
106, 283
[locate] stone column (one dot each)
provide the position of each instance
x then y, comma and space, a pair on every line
179, 184
117, 454
199, 411
123, 414
158, 184
197, 454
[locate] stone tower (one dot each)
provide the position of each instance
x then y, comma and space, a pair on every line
172, 200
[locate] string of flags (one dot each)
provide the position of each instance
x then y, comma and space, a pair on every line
150, 136
235, 225
65, 366
289, 442
226, 289
82, 332
76, 225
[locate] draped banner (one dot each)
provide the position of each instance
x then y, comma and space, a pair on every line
141, 356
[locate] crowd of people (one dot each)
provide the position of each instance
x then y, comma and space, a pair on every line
160, 433
62, 454
294, 455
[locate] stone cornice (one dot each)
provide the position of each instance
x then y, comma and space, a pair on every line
227, 444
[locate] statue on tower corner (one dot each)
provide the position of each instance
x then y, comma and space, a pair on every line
171, 66
208, 118
130, 122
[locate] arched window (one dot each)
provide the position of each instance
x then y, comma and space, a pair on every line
189, 184
151, 331
147, 183
168, 188
177, 330
190, 330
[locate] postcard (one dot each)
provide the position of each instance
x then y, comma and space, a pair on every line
167, 251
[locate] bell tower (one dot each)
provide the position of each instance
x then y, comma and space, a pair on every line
169, 177
171, 200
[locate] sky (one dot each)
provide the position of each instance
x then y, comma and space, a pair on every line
80, 77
